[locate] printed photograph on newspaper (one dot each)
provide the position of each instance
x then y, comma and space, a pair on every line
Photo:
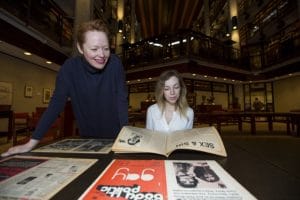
205, 179
95, 146
12, 166
165, 179
38, 178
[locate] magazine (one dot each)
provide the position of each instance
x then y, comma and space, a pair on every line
97, 146
38, 178
165, 179
139, 140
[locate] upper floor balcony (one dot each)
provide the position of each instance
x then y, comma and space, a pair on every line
277, 53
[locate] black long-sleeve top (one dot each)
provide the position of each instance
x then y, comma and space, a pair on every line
98, 98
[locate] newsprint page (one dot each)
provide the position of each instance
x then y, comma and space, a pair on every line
137, 140
38, 178
95, 146
166, 180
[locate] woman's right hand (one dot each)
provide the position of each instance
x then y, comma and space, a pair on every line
21, 148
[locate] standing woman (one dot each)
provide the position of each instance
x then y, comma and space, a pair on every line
95, 83
171, 112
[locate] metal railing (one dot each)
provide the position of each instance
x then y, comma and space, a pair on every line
44, 16
189, 44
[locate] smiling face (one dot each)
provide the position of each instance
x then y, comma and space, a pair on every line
187, 181
172, 90
95, 49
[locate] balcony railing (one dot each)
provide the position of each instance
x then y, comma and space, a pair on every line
44, 16
182, 44
189, 44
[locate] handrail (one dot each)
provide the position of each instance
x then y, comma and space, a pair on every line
44, 16
52, 21
187, 43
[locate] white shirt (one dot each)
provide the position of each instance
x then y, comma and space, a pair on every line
156, 120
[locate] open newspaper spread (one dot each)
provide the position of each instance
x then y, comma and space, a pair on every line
94, 146
140, 140
38, 178
165, 179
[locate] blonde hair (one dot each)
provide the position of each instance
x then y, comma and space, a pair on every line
181, 103
95, 25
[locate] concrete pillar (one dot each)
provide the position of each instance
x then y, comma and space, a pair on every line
120, 16
233, 11
132, 23
206, 18
83, 12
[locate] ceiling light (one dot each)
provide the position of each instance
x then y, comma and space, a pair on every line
175, 43
157, 45
48, 62
27, 53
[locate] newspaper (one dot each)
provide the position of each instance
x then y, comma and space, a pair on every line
202, 179
137, 140
166, 179
38, 178
94, 146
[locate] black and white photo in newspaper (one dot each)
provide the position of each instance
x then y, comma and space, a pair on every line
204, 179
95, 146
43, 180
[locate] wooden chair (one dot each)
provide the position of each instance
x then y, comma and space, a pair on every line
21, 124
53, 133
7, 113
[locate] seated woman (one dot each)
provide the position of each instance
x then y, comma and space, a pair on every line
258, 105
171, 112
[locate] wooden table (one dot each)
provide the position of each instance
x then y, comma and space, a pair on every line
219, 118
268, 167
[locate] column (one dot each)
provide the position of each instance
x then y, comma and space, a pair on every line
132, 23
233, 14
83, 12
206, 18
120, 16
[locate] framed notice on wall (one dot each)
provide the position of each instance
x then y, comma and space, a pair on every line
46, 95
5, 93
28, 91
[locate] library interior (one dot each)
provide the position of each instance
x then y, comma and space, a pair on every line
239, 59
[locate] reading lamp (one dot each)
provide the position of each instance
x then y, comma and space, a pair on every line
234, 22
227, 34
120, 26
